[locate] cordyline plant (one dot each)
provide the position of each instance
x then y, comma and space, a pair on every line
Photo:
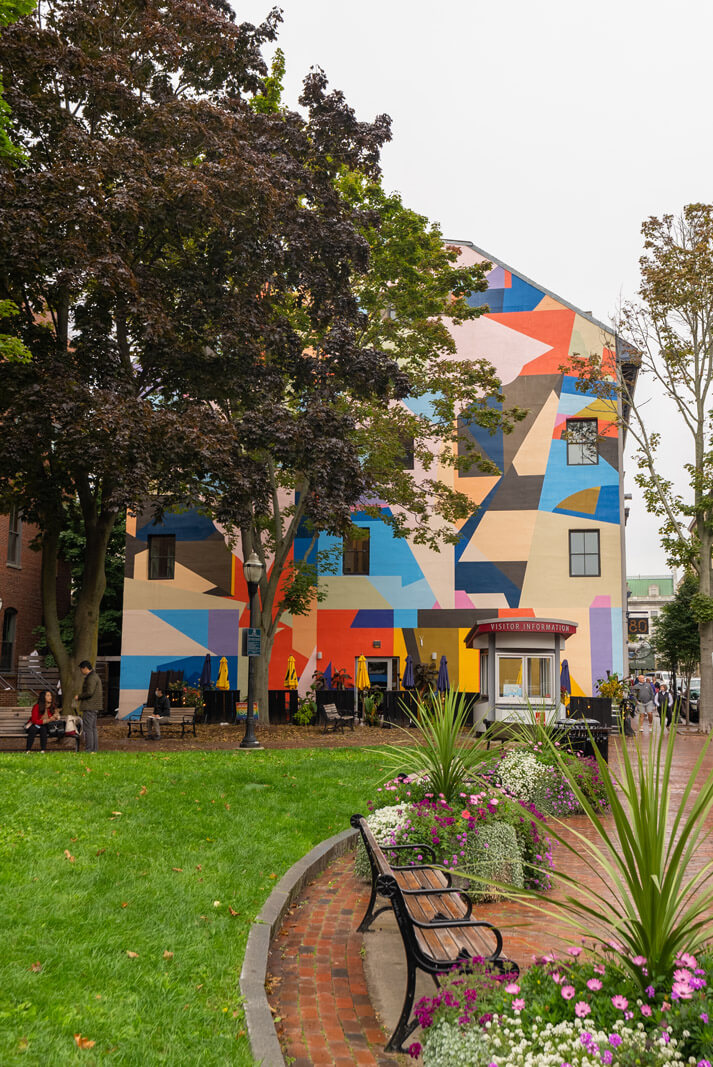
648, 898
447, 751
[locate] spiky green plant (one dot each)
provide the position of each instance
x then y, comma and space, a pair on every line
647, 894
447, 750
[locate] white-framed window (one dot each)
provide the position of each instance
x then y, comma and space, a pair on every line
523, 677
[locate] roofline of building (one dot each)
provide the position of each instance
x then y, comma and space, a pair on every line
536, 285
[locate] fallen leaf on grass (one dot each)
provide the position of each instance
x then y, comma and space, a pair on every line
198, 867
99, 851
273, 876
179, 869
83, 1042
216, 903
23, 1044
73, 839
36, 967
132, 955
117, 813
233, 911
124, 903
142, 791
168, 955
69, 855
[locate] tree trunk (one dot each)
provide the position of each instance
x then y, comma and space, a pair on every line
705, 703
262, 669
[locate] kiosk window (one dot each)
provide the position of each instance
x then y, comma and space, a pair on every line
525, 676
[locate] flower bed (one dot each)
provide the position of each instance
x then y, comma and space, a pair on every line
530, 775
490, 835
570, 1013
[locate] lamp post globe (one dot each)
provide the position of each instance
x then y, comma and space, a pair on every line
252, 570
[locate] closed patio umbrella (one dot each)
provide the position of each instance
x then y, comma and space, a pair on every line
291, 676
362, 678
205, 678
565, 684
408, 680
442, 682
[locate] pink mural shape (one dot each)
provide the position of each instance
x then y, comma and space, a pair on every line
462, 600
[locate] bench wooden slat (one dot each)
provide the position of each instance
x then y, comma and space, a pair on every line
182, 717
334, 719
12, 724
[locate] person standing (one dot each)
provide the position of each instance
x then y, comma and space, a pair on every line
645, 700
161, 713
665, 704
91, 702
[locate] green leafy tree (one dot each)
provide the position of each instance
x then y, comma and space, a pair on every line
676, 633
168, 246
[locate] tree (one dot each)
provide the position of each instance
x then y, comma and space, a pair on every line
334, 444
676, 633
669, 338
168, 245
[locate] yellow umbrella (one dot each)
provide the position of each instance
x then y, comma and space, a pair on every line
291, 676
362, 678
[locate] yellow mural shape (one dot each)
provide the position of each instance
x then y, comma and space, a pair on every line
585, 501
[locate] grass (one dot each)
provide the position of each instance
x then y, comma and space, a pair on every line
128, 884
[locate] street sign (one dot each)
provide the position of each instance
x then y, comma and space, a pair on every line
638, 625
253, 638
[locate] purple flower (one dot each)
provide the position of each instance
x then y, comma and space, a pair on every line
704, 1016
614, 1040
650, 991
414, 1050
606, 1055
703, 1063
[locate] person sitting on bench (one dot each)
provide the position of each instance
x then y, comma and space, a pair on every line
161, 713
41, 715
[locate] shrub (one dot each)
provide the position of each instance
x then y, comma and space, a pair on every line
493, 853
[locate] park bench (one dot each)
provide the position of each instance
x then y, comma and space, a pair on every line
434, 919
334, 720
12, 724
182, 717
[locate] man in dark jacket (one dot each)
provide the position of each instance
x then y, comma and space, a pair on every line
161, 713
645, 700
91, 702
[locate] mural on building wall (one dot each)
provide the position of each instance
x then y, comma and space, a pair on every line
512, 555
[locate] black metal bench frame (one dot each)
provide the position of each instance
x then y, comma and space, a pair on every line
385, 883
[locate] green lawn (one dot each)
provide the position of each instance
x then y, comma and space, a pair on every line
109, 855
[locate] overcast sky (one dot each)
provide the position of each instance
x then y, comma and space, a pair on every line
544, 132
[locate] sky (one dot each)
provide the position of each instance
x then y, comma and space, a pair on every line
544, 132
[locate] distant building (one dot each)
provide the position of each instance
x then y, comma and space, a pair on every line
544, 539
647, 595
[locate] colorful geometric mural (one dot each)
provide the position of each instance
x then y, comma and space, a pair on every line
512, 555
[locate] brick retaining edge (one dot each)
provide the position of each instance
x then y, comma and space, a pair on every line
264, 1042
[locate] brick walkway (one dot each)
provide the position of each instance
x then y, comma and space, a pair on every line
318, 989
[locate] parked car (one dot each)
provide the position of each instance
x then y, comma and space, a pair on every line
694, 694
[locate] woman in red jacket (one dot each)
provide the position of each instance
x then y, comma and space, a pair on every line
42, 713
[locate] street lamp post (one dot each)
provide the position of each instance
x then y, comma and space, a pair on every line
252, 569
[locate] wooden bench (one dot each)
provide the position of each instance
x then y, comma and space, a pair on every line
334, 719
434, 919
182, 717
12, 724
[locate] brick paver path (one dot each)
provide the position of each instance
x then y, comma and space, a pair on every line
319, 991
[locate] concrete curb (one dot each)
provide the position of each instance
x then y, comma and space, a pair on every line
264, 1042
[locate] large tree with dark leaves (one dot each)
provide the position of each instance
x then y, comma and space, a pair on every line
169, 246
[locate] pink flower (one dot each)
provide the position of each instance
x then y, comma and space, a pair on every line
639, 960
681, 990
594, 984
465, 814
574, 951
582, 1009
512, 987
599, 968
619, 1002
687, 960
646, 1009
682, 976
518, 1004
567, 991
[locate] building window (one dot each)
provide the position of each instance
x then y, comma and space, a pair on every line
162, 556
483, 673
407, 454
582, 442
14, 537
7, 649
584, 554
525, 677
653, 590
356, 553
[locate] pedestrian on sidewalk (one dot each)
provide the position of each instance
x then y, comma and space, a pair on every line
645, 701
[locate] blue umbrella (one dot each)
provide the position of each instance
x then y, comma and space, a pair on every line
408, 681
205, 678
442, 684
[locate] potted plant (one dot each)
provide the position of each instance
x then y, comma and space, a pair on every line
370, 702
